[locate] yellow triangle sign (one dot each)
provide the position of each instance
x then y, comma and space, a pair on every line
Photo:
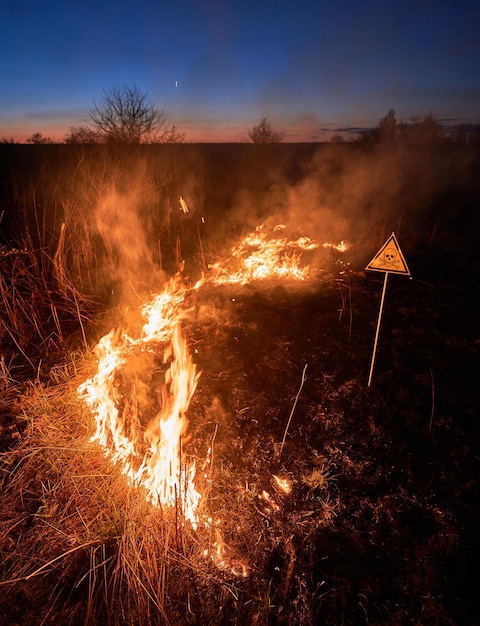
389, 258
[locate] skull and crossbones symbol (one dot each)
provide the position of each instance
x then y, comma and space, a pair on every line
390, 257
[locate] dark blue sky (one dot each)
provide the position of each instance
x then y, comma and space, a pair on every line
217, 66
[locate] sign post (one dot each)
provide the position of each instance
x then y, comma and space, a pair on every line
389, 259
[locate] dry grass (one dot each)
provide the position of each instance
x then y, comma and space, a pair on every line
81, 231
36, 319
78, 545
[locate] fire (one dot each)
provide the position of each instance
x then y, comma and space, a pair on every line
283, 484
258, 257
147, 444
150, 456
343, 246
224, 562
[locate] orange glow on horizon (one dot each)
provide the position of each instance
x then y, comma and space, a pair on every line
195, 130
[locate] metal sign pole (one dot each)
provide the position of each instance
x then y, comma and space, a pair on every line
378, 327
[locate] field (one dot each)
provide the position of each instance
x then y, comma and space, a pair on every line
323, 500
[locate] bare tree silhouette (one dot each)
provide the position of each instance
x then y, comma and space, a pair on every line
265, 132
126, 115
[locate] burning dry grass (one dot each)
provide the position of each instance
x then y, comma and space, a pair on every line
305, 534
79, 545
80, 542
286, 483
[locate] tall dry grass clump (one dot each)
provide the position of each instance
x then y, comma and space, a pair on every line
35, 318
84, 230
77, 544
71, 208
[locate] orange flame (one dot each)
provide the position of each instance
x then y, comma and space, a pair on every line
160, 469
258, 257
283, 484
343, 246
151, 456
219, 556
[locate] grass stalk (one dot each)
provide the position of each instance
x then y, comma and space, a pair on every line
293, 409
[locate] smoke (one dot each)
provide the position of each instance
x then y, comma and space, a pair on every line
354, 192
123, 223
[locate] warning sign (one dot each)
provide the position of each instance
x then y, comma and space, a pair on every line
389, 258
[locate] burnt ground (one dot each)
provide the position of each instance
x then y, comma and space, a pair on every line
381, 525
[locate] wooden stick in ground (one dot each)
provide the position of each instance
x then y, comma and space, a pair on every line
293, 408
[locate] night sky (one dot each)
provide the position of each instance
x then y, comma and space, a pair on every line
216, 67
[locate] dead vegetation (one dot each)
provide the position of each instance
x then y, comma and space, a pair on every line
327, 502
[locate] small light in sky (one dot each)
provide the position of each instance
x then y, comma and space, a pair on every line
176, 83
